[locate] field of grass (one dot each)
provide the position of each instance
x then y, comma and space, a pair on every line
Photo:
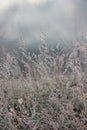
44, 92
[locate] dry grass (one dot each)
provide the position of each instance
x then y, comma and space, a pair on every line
49, 97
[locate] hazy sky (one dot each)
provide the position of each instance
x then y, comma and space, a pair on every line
27, 19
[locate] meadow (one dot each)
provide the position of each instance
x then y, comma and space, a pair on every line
45, 91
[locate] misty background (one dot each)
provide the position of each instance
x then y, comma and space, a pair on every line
26, 21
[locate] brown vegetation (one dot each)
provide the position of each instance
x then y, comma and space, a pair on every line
47, 92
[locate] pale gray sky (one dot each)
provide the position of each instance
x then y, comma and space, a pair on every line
28, 18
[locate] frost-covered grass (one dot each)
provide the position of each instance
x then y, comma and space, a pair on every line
47, 92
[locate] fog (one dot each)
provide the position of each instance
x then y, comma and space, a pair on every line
28, 20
